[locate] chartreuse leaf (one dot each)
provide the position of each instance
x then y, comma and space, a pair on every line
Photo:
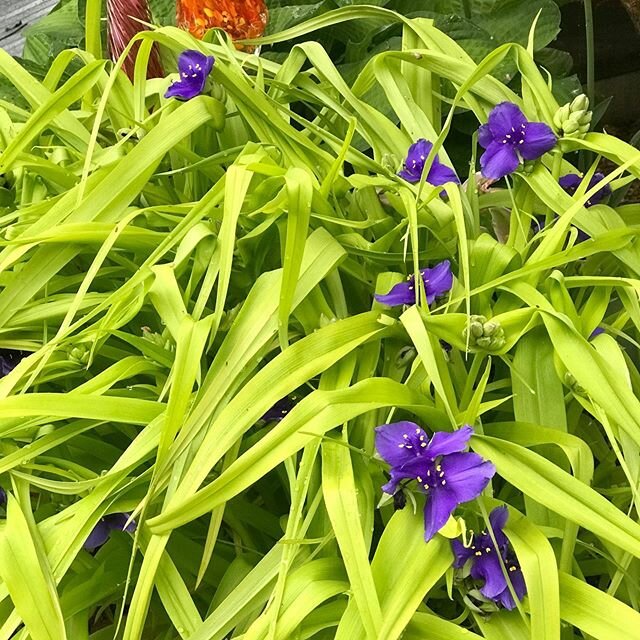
594, 612
560, 492
28, 578
339, 490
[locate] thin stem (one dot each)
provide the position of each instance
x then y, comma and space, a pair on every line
591, 64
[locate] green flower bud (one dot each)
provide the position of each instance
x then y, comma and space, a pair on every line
484, 334
573, 119
572, 383
79, 354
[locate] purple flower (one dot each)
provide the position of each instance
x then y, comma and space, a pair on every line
509, 138
572, 181
102, 531
414, 164
437, 281
9, 360
448, 476
485, 562
194, 68
279, 410
3, 497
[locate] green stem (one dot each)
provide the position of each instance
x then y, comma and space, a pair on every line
589, 35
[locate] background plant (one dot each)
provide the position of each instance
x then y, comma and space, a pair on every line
177, 269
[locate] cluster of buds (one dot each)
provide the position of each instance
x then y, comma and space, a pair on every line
79, 354
571, 382
573, 119
483, 333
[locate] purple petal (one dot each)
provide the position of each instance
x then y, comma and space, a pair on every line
467, 474
9, 360
498, 519
538, 139
461, 553
400, 443
443, 443
596, 332
504, 118
485, 137
505, 599
402, 293
487, 568
410, 176
498, 161
191, 61
439, 506
409, 471
570, 182
3, 497
438, 280
118, 522
98, 536
186, 88
440, 174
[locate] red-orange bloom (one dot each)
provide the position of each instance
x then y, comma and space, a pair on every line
239, 18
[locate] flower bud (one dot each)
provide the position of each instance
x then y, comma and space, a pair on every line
484, 334
79, 354
574, 118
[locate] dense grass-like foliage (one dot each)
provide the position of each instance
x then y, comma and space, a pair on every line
176, 269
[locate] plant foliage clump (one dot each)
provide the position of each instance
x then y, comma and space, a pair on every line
194, 352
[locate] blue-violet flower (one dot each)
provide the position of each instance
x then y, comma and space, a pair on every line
437, 281
102, 531
414, 164
572, 181
509, 138
3, 497
448, 476
485, 557
194, 68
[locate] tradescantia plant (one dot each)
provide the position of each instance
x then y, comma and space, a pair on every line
207, 387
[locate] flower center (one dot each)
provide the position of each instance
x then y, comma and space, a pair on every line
415, 441
516, 137
434, 477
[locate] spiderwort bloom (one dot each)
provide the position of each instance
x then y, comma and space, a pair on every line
3, 497
572, 181
484, 557
448, 476
509, 138
596, 332
437, 281
414, 164
194, 68
102, 531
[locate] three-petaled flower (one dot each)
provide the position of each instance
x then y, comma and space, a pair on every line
102, 531
194, 68
510, 138
448, 476
486, 560
417, 155
437, 281
572, 181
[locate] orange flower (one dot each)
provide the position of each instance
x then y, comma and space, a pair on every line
239, 18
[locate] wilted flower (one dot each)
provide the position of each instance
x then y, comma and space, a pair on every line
194, 68
572, 181
9, 360
414, 164
484, 558
102, 531
437, 281
509, 138
447, 476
